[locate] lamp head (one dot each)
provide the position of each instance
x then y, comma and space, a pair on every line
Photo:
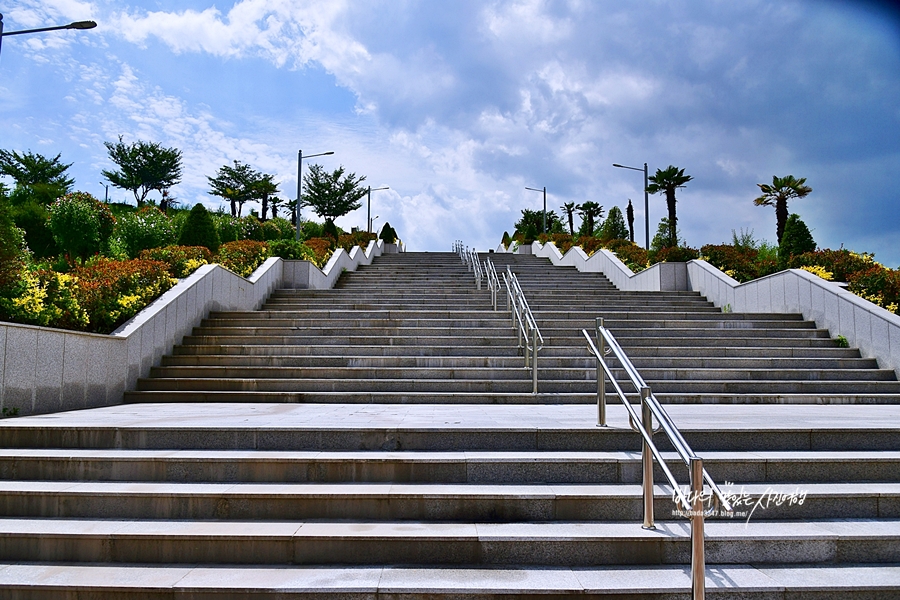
82, 25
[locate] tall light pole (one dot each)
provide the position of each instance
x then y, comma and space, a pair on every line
75, 25
300, 186
646, 202
106, 186
369, 205
544, 228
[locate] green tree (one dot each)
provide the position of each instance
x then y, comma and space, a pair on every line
37, 177
797, 239
81, 224
145, 229
235, 184
532, 221
667, 181
614, 228
143, 167
569, 209
777, 195
32, 217
590, 213
663, 237
263, 188
199, 229
332, 195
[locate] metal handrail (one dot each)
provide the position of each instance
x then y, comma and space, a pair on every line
476, 268
650, 408
523, 321
493, 281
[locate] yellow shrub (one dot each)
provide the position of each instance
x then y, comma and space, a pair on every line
820, 271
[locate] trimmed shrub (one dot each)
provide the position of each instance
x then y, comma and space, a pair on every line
388, 234
635, 257
181, 260
311, 229
796, 239
199, 230
329, 229
81, 225
590, 244
147, 228
242, 256
357, 238
506, 240
878, 285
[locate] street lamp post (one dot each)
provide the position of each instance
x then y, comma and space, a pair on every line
544, 227
646, 202
369, 218
75, 25
106, 194
300, 186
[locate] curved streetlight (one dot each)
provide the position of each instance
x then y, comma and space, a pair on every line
299, 186
544, 228
75, 25
369, 218
646, 202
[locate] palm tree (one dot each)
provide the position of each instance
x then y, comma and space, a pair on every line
668, 180
569, 208
778, 194
590, 212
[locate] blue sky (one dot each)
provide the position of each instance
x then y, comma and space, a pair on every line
458, 106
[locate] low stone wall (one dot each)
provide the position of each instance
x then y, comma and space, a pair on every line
49, 370
872, 329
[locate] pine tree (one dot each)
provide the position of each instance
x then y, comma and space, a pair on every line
200, 230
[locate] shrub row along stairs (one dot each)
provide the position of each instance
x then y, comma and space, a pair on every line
379, 440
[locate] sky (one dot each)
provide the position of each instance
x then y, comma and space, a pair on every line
459, 106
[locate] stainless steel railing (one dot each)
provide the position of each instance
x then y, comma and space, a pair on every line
493, 281
530, 338
693, 503
470, 257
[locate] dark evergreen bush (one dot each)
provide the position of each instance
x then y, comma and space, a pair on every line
388, 234
32, 218
10, 247
796, 240
199, 230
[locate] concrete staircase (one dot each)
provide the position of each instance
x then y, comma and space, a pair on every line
380, 439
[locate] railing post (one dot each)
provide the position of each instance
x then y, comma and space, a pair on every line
698, 555
647, 459
534, 355
601, 376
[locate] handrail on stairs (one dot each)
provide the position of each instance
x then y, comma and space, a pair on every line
530, 338
692, 504
470, 257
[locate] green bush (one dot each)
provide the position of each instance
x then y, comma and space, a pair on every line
81, 225
796, 240
330, 230
310, 230
282, 226
199, 229
614, 227
677, 254
357, 238
181, 260
228, 228
11, 247
388, 234
292, 250
842, 263
635, 257
242, 256
33, 219
147, 228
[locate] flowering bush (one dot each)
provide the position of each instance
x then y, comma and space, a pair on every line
182, 260
81, 224
45, 298
819, 272
147, 228
842, 263
242, 256
113, 291
321, 247
878, 285
634, 257
589, 244
357, 238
